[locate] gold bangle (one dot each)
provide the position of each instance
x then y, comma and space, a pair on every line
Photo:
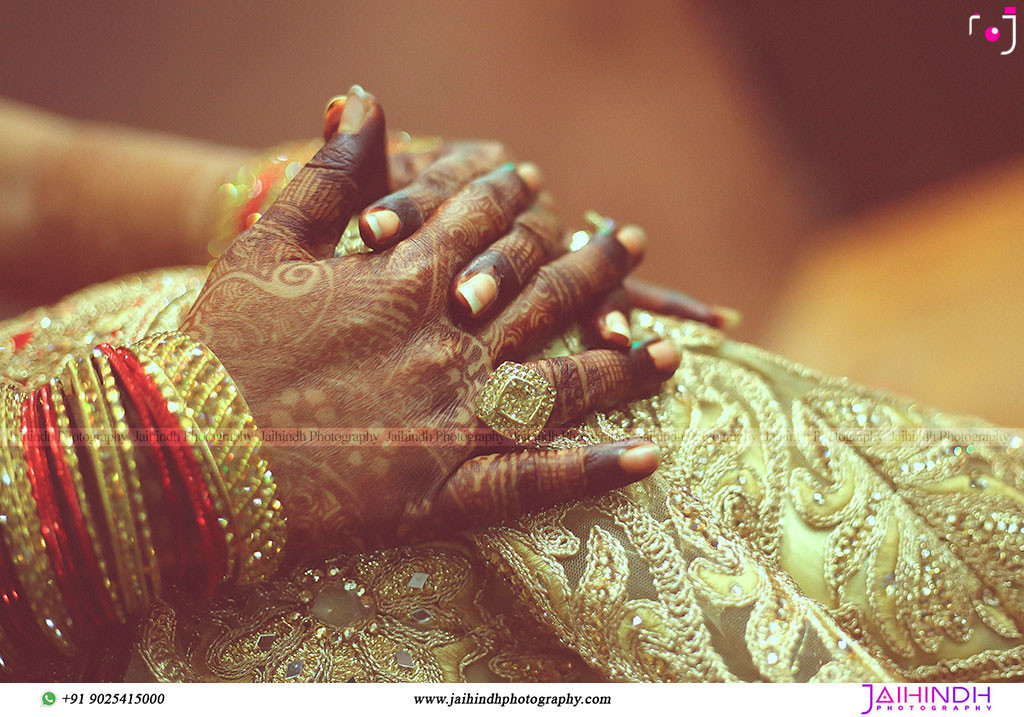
23, 530
227, 444
145, 550
248, 481
215, 401
92, 418
223, 437
196, 439
91, 527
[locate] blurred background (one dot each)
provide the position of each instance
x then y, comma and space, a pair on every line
846, 175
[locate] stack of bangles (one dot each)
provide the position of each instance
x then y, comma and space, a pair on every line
136, 469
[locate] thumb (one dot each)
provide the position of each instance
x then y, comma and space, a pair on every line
349, 172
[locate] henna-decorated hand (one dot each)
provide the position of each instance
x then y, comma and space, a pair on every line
608, 325
487, 282
375, 341
422, 180
459, 160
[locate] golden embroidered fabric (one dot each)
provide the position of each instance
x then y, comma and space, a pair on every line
793, 532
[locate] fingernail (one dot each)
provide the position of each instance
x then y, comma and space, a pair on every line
530, 174
634, 239
665, 355
382, 223
615, 323
338, 100
478, 291
357, 104
727, 317
640, 460
332, 115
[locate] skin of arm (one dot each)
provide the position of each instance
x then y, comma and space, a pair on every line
83, 202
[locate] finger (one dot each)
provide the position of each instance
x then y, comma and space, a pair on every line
601, 378
407, 157
660, 300
332, 116
410, 156
607, 326
348, 172
399, 215
479, 214
490, 489
499, 273
563, 290
406, 165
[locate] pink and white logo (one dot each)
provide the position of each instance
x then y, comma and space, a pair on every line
928, 698
993, 34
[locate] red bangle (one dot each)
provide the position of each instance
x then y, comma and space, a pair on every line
261, 188
86, 573
150, 437
15, 613
212, 543
54, 537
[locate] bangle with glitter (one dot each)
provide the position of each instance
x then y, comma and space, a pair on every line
134, 469
254, 187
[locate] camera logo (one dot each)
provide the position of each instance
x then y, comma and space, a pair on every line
994, 34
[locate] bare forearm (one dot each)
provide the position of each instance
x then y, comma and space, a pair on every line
85, 202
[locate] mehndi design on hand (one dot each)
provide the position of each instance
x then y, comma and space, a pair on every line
375, 341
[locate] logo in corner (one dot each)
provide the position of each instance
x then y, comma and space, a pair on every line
948, 698
993, 33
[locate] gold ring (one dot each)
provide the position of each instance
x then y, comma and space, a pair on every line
516, 402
